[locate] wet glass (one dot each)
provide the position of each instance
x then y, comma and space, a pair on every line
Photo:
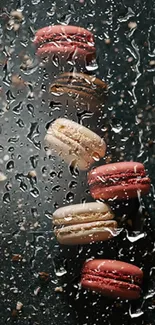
39, 278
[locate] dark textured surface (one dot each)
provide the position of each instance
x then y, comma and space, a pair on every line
127, 123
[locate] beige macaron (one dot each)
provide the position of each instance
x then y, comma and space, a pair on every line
84, 223
74, 143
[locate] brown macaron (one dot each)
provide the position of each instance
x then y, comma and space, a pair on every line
88, 91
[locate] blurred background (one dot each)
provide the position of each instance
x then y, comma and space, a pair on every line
39, 279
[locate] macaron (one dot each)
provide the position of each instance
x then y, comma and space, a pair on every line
82, 88
74, 143
69, 42
112, 278
123, 180
84, 223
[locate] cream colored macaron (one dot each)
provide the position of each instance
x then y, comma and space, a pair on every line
74, 143
84, 223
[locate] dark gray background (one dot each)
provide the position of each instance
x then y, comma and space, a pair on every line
27, 204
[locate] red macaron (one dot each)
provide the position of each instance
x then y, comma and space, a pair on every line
68, 42
123, 180
112, 278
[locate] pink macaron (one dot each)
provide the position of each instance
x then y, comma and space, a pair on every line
118, 181
68, 42
112, 278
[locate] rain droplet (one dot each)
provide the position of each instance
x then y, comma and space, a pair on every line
10, 165
92, 67
34, 212
61, 272
48, 215
136, 235
72, 184
18, 108
35, 2
69, 197
51, 11
23, 186
6, 198
53, 174
8, 186
20, 123
74, 171
35, 192
9, 96
30, 108
56, 188
116, 129
135, 314
33, 133
34, 160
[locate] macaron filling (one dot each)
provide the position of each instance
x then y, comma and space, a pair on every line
133, 279
119, 179
92, 226
85, 89
72, 219
110, 282
40, 40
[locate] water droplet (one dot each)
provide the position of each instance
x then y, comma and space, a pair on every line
34, 212
10, 97
18, 108
8, 186
51, 11
33, 133
13, 139
135, 314
116, 129
6, 198
20, 123
35, 2
115, 231
73, 169
69, 197
48, 215
30, 108
60, 174
10, 165
92, 67
72, 184
96, 156
34, 160
56, 188
23, 186
53, 174
35, 192
136, 235
61, 272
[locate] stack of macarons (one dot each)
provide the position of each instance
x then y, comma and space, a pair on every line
78, 146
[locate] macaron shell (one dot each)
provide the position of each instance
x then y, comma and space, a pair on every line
86, 233
111, 288
67, 152
118, 168
82, 213
113, 266
46, 32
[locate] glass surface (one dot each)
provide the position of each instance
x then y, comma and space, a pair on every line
40, 279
